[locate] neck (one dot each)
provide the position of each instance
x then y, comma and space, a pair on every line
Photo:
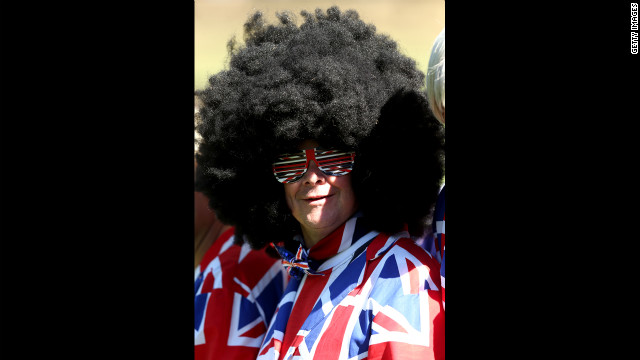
313, 236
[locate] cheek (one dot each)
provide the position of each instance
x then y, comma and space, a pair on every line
289, 194
203, 217
346, 190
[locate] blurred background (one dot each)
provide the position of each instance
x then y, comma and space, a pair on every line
413, 24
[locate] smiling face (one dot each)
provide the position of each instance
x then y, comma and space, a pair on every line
320, 203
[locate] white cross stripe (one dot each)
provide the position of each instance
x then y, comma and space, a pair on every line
235, 338
347, 234
226, 245
244, 251
440, 227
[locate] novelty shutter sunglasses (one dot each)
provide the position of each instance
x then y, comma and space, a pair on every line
290, 168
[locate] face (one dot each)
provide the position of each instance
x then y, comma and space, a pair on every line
320, 203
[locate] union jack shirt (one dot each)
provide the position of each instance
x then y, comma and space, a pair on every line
434, 243
236, 293
365, 295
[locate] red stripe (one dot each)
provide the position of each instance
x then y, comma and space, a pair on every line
395, 350
436, 314
296, 343
309, 293
388, 323
298, 265
207, 285
375, 246
285, 167
274, 343
239, 289
254, 332
214, 250
423, 257
331, 341
328, 246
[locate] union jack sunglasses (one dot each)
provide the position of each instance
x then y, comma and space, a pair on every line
289, 168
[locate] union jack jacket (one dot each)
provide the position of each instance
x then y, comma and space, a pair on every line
359, 294
236, 293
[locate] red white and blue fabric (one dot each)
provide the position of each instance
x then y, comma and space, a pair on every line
379, 298
434, 243
290, 168
296, 264
236, 293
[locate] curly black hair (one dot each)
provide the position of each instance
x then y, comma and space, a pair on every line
328, 80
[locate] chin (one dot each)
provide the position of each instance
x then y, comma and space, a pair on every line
314, 220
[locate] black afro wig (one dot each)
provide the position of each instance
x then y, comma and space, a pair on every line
328, 80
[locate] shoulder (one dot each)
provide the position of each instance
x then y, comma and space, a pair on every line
238, 263
223, 243
411, 264
407, 249
402, 247
255, 272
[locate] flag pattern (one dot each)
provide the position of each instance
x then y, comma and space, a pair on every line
379, 298
296, 264
290, 168
438, 230
236, 293
434, 242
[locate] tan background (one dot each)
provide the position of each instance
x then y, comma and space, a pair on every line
413, 24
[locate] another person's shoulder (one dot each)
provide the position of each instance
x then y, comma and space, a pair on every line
252, 262
237, 257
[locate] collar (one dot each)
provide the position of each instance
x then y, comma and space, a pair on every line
332, 250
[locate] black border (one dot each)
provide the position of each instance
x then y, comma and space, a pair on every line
540, 174
97, 149
541, 126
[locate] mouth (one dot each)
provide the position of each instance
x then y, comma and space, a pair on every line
317, 199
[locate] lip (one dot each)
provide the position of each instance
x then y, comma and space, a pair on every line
312, 200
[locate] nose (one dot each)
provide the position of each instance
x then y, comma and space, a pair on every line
313, 176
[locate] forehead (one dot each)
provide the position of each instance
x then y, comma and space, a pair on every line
308, 144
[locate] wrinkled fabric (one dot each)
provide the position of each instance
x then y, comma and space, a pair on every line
296, 264
236, 293
434, 242
380, 298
